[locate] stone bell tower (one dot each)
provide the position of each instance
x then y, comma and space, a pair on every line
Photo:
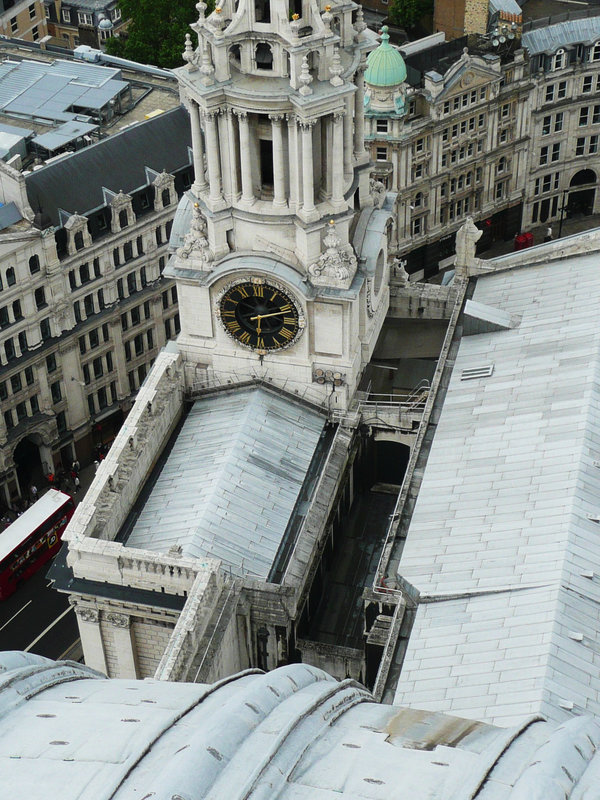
275, 92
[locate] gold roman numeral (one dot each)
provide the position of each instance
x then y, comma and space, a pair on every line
234, 326
242, 291
229, 314
245, 337
274, 295
259, 291
286, 307
289, 321
260, 343
286, 333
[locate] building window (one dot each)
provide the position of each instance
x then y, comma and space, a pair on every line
120, 291
94, 338
546, 125
595, 52
21, 411
8, 420
72, 280
45, 331
35, 33
96, 265
150, 339
562, 90
17, 313
593, 148
84, 273
5, 319
40, 298
78, 240
381, 126
500, 190
109, 362
3, 391
15, 383
86, 374
88, 305
135, 315
132, 283
51, 362
98, 368
580, 146
116, 257
34, 404
596, 115
138, 344
91, 404
29, 376
381, 153
139, 243
587, 85
105, 334
66, 16
166, 198
85, 19
549, 93
558, 122
23, 343
56, 392
101, 303
14, 25
584, 115
558, 62
127, 348
143, 279
115, 14
77, 311
555, 152
128, 251
34, 264
11, 278
61, 422
82, 345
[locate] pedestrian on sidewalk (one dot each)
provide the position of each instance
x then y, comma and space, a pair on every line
34, 492
548, 236
76, 483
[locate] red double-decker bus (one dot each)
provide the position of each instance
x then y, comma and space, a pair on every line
32, 539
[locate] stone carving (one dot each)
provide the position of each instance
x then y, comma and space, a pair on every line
189, 54
207, 69
87, 614
399, 271
467, 237
377, 191
360, 25
305, 77
336, 68
336, 265
195, 246
118, 620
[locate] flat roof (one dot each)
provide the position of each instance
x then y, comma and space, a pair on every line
501, 545
231, 480
29, 520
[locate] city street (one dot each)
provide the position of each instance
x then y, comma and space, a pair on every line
38, 619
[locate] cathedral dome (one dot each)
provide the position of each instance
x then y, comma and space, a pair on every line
386, 66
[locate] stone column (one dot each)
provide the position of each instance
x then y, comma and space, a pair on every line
337, 160
88, 620
246, 166
294, 160
212, 156
200, 184
124, 645
279, 198
348, 137
359, 110
232, 142
308, 190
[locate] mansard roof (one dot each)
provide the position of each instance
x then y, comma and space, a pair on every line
552, 37
76, 182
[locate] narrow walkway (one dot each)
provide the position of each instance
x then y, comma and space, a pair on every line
339, 619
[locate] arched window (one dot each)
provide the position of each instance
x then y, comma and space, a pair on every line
559, 59
501, 166
419, 200
595, 52
166, 197
235, 54
34, 264
17, 312
11, 278
264, 56
78, 240
123, 219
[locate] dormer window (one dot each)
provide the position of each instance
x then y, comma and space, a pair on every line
559, 59
264, 56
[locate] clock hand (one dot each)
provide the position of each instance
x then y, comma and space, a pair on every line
264, 316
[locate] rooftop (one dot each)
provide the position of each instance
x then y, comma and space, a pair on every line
512, 481
231, 480
291, 734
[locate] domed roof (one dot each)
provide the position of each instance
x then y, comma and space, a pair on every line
386, 66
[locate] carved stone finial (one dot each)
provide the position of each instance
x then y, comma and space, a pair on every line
327, 18
360, 25
188, 55
335, 68
305, 77
336, 265
207, 69
217, 20
201, 9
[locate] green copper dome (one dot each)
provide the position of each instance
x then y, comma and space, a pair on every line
386, 66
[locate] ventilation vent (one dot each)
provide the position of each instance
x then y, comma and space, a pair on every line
477, 372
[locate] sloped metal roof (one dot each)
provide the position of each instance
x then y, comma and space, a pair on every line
503, 547
231, 481
118, 162
553, 37
64, 134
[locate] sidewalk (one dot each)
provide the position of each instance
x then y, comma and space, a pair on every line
569, 227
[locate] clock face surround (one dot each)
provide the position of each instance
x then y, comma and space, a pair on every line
260, 315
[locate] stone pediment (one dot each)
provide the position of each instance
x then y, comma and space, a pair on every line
468, 73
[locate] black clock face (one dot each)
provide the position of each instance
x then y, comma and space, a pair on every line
260, 316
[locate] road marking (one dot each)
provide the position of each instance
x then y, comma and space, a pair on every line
43, 633
15, 615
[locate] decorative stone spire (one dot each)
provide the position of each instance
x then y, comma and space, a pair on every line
360, 25
336, 265
195, 250
336, 68
217, 20
327, 18
189, 54
305, 77
207, 69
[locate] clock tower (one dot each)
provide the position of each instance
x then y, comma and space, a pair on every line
280, 246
